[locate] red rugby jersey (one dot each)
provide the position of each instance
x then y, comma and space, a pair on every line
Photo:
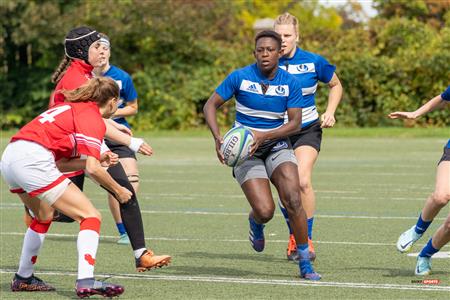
68, 130
78, 73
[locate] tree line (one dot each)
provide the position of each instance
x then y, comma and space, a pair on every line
178, 51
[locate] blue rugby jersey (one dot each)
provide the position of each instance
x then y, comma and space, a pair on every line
446, 97
127, 91
309, 68
254, 108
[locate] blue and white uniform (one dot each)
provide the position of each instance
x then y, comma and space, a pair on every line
446, 97
261, 105
309, 69
254, 108
127, 91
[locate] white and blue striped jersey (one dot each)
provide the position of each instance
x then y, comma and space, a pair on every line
261, 103
446, 97
309, 68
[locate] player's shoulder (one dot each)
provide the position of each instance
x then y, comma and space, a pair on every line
120, 73
303, 54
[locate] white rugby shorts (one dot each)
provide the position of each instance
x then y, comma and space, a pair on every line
31, 168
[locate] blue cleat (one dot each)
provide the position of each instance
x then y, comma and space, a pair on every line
306, 270
423, 266
256, 235
407, 240
123, 239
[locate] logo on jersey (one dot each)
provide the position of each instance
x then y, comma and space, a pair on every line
302, 68
252, 88
280, 90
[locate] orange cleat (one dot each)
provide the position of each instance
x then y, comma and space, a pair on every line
291, 251
149, 261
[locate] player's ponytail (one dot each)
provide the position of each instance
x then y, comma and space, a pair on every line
99, 90
61, 69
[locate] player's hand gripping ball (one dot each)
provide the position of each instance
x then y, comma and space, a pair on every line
236, 145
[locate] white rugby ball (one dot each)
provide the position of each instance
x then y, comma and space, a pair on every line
236, 145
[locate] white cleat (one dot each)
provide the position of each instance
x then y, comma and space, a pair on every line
407, 240
423, 266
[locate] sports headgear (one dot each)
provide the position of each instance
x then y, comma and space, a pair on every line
78, 41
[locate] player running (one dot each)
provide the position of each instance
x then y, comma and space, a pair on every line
29, 167
263, 94
309, 68
435, 202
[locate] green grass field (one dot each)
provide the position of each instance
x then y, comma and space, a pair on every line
370, 187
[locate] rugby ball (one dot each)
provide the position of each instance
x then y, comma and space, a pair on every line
236, 145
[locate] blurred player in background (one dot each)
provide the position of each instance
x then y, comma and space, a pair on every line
435, 202
309, 68
128, 106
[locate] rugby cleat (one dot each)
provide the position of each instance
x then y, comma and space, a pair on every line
291, 251
407, 240
123, 239
307, 272
89, 286
30, 284
149, 261
423, 266
256, 235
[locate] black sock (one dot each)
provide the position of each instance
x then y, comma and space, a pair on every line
130, 211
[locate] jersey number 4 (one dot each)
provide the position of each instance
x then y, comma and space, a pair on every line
49, 115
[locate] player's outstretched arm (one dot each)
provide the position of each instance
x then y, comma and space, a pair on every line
426, 108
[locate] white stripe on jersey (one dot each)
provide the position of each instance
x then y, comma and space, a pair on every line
300, 68
88, 140
309, 90
258, 113
308, 114
273, 90
236, 123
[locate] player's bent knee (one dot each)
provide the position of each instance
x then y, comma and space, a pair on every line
264, 215
305, 185
441, 199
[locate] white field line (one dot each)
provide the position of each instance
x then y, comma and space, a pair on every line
109, 237
19, 206
238, 280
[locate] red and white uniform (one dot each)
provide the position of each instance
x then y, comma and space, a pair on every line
77, 74
65, 131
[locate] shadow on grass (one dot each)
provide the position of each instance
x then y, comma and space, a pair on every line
258, 257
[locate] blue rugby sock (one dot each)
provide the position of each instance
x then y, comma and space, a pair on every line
421, 225
286, 216
121, 228
428, 250
304, 262
310, 227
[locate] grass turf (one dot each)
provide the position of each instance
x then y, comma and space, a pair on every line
370, 186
